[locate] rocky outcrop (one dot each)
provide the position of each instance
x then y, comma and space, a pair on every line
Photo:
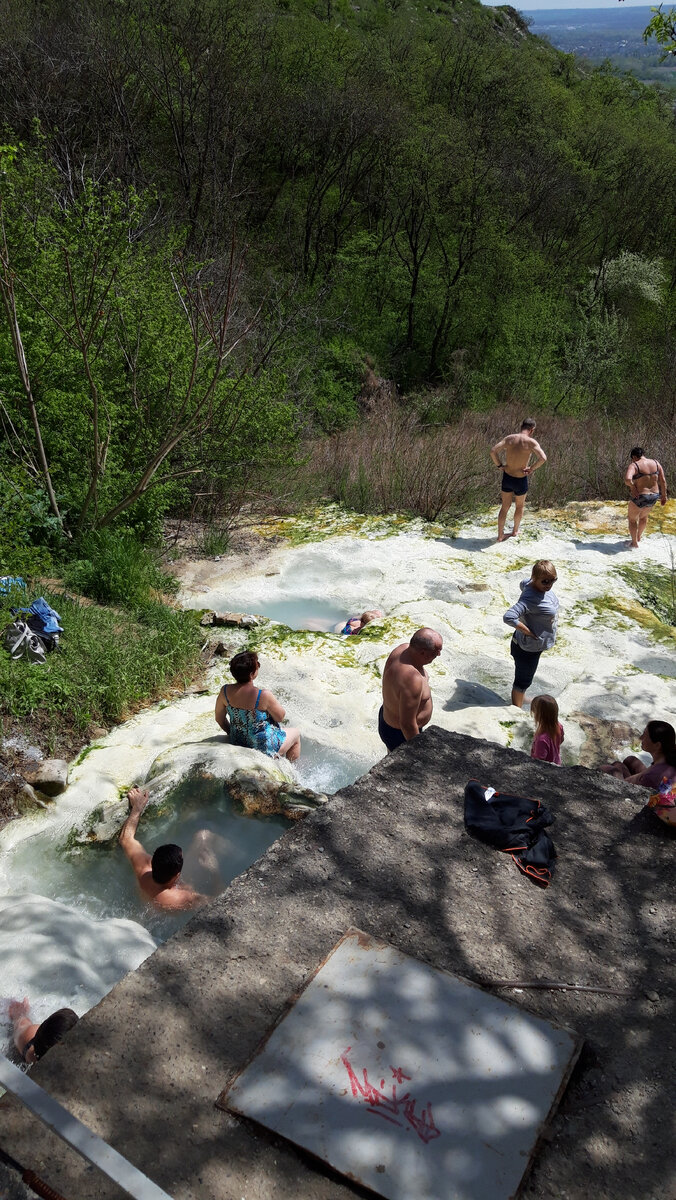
234, 620
260, 784
258, 793
49, 776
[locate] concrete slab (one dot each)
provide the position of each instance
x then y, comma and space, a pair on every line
390, 856
460, 1113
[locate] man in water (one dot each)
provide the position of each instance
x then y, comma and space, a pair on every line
645, 479
158, 876
517, 449
407, 702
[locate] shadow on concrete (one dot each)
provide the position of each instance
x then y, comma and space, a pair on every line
473, 695
390, 855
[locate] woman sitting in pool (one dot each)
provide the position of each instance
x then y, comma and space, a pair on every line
356, 624
251, 715
659, 739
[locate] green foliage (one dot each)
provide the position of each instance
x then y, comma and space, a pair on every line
215, 541
29, 533
425, 188
113, 567
107, 665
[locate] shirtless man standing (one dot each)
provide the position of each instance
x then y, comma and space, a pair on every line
158, 876
645, 479
518, 448
407, 702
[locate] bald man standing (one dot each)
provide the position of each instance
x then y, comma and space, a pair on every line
407, 701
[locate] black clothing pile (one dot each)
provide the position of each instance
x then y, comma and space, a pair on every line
514, 824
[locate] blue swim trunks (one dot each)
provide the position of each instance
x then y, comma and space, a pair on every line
511, 484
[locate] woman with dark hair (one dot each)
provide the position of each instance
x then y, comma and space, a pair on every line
659, 740
251, 715
645, 479
33, 1040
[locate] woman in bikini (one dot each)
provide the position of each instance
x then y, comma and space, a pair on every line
645, 479
252, 715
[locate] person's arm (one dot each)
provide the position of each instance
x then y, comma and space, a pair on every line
513, 617
409, 703
540, 457
140, 860
271, 706
221, 713
630, 476
662, 483
24, 1028
494, 452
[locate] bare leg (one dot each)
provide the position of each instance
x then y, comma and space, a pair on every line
617, 770
506, 498
519, 505
290, 747
518, 697
633, 515
632, 765
642, 522
201, 866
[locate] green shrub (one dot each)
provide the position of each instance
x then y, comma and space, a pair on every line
113, 567
215, 540
107, 665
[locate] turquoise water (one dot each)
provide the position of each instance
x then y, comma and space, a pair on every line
303, 612
99, 881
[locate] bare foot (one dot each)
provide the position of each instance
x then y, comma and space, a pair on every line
138, 798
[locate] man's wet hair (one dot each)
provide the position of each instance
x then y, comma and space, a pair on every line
424, 643
52, 1030
243, 665
166, 862
528, 423
637, 452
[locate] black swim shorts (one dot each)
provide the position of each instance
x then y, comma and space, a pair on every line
511, 484
525, 665
388, 734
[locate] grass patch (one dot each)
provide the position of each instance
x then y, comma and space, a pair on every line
214, 542
113, 567
108, 665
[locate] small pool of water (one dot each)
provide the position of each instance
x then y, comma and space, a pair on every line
303, 612
99, 880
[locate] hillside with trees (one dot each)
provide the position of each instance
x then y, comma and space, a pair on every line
217, 217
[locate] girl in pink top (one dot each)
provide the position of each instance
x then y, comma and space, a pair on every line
548, 730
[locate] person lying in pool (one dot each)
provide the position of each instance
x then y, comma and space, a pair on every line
356, 624
159, 875
251, 715
31, 1039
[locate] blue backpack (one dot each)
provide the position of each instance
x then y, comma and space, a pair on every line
44, 621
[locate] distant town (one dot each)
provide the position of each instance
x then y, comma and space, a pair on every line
600, 34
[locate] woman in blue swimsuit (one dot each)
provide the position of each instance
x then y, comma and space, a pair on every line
252, 715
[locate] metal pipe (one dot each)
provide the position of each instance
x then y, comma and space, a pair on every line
89, 1145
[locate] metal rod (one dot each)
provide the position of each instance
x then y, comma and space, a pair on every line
89, 1145
552, 985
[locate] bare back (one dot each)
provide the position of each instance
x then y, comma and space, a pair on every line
177, 896
645, 477
517, 449
406, 692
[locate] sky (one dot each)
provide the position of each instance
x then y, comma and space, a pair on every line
529, 5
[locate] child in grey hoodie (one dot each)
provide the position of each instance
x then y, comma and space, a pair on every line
533, 619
